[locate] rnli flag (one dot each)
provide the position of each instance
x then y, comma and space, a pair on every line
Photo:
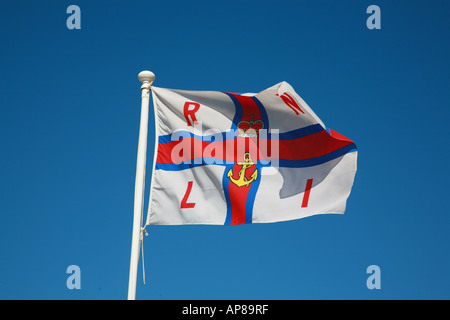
230, 158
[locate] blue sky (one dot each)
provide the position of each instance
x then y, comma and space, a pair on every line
69, 121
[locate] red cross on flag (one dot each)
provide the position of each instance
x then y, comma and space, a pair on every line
228, 158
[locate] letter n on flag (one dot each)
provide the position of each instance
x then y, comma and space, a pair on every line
228, 158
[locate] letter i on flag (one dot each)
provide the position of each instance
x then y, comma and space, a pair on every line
226, 158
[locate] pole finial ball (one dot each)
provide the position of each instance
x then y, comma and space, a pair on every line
146, 76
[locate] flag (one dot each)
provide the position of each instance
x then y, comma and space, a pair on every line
227, 158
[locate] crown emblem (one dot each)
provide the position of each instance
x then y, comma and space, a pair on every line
250, 129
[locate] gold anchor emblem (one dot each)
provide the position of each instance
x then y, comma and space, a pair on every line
242, 180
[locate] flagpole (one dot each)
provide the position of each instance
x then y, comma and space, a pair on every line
147, 78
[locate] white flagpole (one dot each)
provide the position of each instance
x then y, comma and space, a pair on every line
147, 78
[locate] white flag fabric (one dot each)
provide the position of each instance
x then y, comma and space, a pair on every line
226, 158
